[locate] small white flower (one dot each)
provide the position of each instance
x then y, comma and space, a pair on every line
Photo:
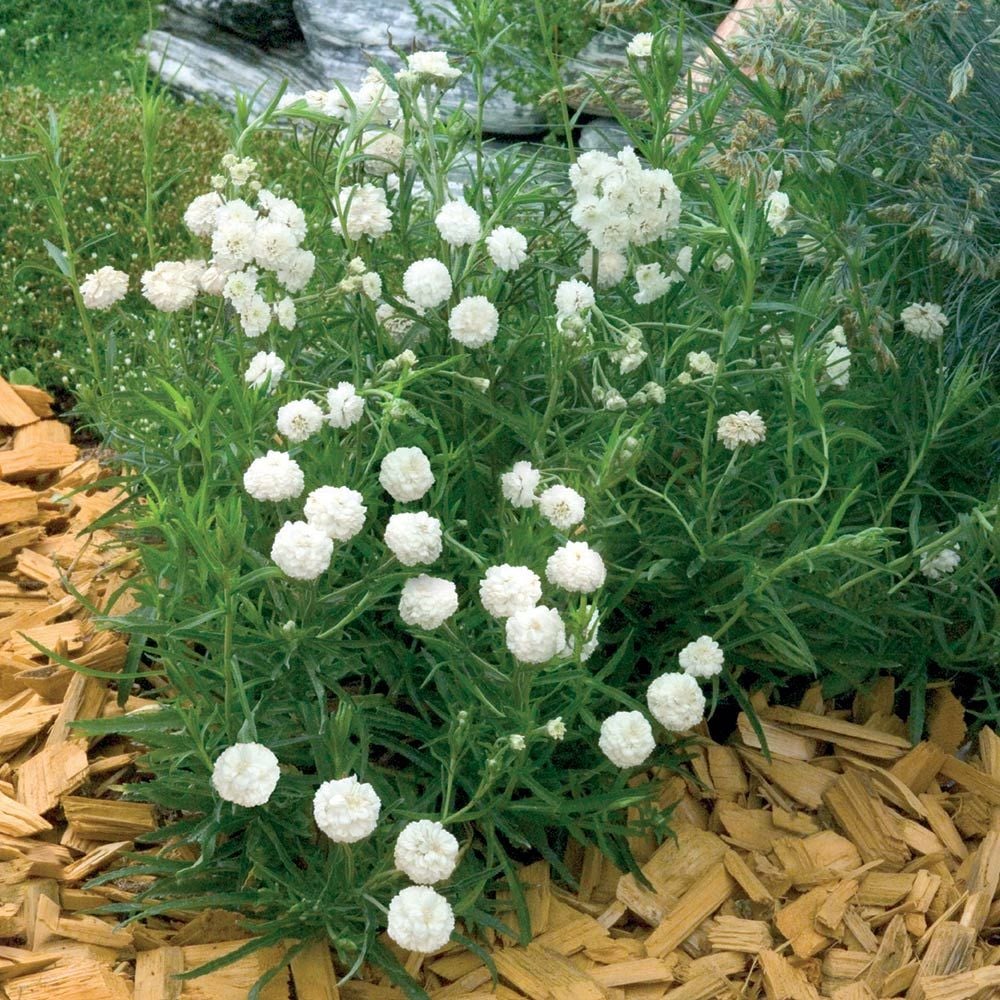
371, 286
296, 270
420, 919
652, 283
284, 313
240, 287
274, 477
383, 153
265, 369
562, 507
199, 216
346, 810
777, 208
414, 539
641, 46
626, 739
701, 658
701, 363
246, 773
362, 211
508, 248
173, 285
924, 320
940, 564
255, 315
427, 283
555, 729
299, 420
427, 601
458, 224
405, 474
837, 363
432, 66
676, 702
612, 266
337, 511
519, 485
474, 321
741, 428
102, 288
426, 852
345, 405
300, 551
535, 635
517, 741
576, 567
574, 298
506, 589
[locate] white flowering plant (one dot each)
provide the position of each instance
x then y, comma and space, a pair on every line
493, 474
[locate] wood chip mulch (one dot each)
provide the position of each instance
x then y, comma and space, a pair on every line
843, 863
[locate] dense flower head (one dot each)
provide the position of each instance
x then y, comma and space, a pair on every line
562, 506
274, 477
405, 474
420, 919
346, 810
431, 65
299, 420
240, 286
459, 224
741, 428
620, 203
285, 212
427, 283
383, 152
940, 564
574, 298
362, 211
576, 567
426, 852
246, 774
924, 320
272, 243
414, 539
200, 214
375, 100
519, 485
676, 702
213, 280
232, 240
777, 209
507, 247
506, 589
626, 739
102, 288
474, 321
296, 270
535, 635
701, 658
641, 45
612, 266
651, 282
555, 729
301, 551
255, 315
285, 314
265, 369
173, 285
337, 511
701, 363
427, 601
345, 406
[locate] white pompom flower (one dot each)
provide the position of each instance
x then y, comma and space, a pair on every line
562, 507
427, 601
337, 511
641, 45
458, 224
535, 635
427, 283
924, 320
676, 701
246, 774
507, 247
301, 551
345, 406
200, 215
741, 428
506, 589
299, 420
474, 321
173, 285
414, 539
265, 369
940, 564
362, 211
426, 852
574, 298
274, 477
626, 739
405, 474
102, 288
576, 567
519, 485
431, 66
420, 919
346, 810
777, 209
702, 658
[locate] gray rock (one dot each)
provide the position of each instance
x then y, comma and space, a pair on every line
267, 22
603, 134
200, 61
340, 32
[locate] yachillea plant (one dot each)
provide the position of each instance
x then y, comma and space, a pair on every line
469, 482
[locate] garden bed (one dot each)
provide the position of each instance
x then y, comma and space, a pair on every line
844, 862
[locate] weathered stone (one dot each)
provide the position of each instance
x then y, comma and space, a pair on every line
200, 61
267, 22
605, 135
337, 23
